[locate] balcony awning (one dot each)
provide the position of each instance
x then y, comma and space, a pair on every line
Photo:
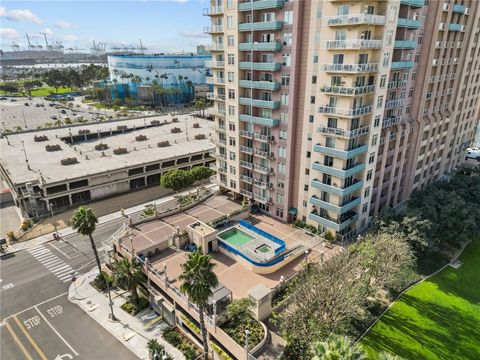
293, 211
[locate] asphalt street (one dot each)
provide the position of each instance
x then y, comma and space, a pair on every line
37, 319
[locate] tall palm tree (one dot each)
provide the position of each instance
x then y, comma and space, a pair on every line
337, 347
198, 281
85, 221
128, 273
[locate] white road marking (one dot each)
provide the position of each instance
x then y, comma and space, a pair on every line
60, 251
43, 256
8, 286
61, 273
56, 332
60, 267
51, 261
37, 250
40, 303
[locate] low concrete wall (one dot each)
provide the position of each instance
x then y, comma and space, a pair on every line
262, 343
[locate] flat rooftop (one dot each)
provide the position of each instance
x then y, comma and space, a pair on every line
91, 161
233, 275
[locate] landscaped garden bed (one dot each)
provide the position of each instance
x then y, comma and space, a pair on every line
176, 338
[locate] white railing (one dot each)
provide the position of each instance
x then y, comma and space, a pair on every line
246, 164
346, 112
353, 44
345, 133
351, 68
353, 19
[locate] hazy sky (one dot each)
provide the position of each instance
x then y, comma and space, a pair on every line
163, 25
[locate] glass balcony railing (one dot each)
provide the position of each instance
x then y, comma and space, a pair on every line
339, 209
260, 46
216, 47
353, 44
409, 23
215, 64
246, 164
262, 169
262, 66
396, 84
405, 44
246, 134
396, 65
413, 3
356, 19
260, 85
263, 137
247, 179
339, 191
341, 173
456, 27
348, 91
261, 26
350, 68
259, 120
361, 111
246, 149
260, 103
214, 29
391, 121
213, 11
459, 8
349, 134
246, 193
337, 224
342, 154
393, 104
249, 5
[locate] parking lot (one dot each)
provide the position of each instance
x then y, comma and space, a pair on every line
16, 114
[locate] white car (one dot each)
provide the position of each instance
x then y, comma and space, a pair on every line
473, 153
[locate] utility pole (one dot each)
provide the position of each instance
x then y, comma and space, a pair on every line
24, 121
53, 218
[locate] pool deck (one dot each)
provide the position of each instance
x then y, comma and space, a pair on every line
233, 275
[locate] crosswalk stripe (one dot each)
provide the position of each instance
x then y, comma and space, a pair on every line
46, 261
57, 266
52, 262
40, 252
36, 249
49, 257
65, 275
62, 271
40, 257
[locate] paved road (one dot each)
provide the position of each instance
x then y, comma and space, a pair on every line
38, 320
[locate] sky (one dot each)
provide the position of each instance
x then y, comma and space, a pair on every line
163, 25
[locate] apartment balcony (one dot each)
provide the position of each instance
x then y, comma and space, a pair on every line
413, 3
246, 134
247, 179
216, 47
259, 85
339, 153
337, 224
220, 128
397, 65
348, 134
259, 120
220, 142
353, 44
249, 5
246, 164
213, 11
260, 198
262, 66
348, 91
246, 193
264, 138
262, 169
264, 154
341, 173
396, 84
459, 9
456, 27
246, 149
216, 97
391, 121
266, 104
214, 29
405, 44
222, 170
218, 112
393, 104
348, 205
356, 19
409, 23
215, 64
317, 184
261, 26
260, 46
361, 111
221, 156
350, 68
262, 184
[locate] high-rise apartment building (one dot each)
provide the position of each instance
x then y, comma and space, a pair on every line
329, 110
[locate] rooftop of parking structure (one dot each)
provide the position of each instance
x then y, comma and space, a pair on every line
90, 161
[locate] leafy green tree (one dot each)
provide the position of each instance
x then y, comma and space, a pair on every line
198, 281
200, 106
337, 348
85, 221
156, 351
201, 172
128, 273
10, 88
177, 180
387, 356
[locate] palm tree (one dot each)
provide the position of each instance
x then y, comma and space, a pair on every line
337, 347
58, 122
198, 281
128, 273
387, 356
84, 221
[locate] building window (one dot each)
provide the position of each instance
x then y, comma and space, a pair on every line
233, 171
288, 17
231, 59
281, 168
369, 175
371, 158
367, 192
279, 212
312, 99
386, 59
315, 59
379, 102
376, 121
285, 80
282, 134
283, 118
284, 99
374, 139
287, 38
286, 60
233, 155
364, 208
230, 22
231, 141
231, 110
282, 152
310, 118
230, 40
233, 184
231, 126
279, 199
231, 94
231, 77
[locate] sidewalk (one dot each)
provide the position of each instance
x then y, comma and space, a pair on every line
132, 331
101, 220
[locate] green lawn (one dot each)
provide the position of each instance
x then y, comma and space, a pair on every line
43, 91
437, 319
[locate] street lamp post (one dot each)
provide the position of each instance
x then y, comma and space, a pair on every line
247, 333
110, 302
24, 121
53, 219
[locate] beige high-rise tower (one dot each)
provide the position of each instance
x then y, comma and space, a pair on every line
329, 110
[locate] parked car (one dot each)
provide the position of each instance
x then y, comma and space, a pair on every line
63, 111
3, 98
27, 104
53, 117
473, 153
39, 105
13, 100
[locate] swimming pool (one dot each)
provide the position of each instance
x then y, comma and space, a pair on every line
236, 237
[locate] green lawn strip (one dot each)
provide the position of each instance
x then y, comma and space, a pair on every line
44, 91
436, 319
